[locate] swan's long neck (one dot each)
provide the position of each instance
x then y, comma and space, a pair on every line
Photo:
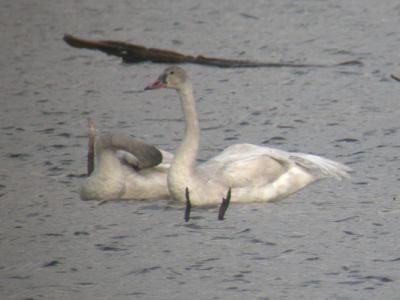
185, 158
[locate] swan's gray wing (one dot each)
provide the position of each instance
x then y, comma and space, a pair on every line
147, 155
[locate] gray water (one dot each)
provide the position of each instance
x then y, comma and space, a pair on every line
333, 240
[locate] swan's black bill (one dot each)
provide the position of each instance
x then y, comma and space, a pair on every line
224, 205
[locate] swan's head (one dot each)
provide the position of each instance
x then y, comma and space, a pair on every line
172, 78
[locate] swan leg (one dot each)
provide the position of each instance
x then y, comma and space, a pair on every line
91, 124
224, 205
188, 205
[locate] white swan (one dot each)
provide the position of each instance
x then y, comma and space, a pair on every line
126, 168
254, 173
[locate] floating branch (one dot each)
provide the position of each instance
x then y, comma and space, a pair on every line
131, 53
397, 78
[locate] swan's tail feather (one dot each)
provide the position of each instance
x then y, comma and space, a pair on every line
322, 167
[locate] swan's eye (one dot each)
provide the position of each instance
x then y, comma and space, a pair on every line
171, 72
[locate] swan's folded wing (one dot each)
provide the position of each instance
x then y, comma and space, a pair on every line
246, 164
253, 170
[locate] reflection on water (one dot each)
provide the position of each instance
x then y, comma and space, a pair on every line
331, 241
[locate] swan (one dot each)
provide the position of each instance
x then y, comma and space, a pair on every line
126, 168
249, 172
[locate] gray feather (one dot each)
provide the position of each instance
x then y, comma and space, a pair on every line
147, 155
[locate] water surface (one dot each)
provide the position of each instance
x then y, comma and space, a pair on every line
334, 240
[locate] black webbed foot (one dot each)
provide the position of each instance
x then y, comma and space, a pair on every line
188, 205
224, 205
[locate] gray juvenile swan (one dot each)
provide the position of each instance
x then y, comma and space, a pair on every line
254, 173
125, 168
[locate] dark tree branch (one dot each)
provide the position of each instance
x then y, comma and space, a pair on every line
131, 53
395, 77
